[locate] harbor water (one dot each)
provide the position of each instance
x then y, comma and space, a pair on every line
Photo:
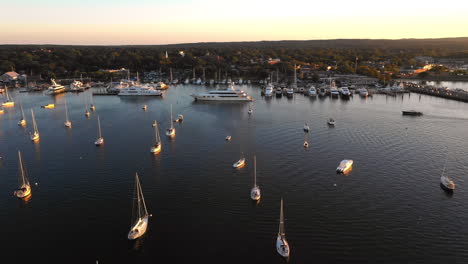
388, 209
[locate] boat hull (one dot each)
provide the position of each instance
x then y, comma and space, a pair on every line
239, 163
255, 194
8, 104
156, 149
222, 99
99, 141
282, 247
138, 229
23, 193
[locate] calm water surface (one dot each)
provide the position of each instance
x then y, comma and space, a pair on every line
389, 208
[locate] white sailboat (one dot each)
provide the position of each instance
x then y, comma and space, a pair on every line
8, 102
92, 107
145, 107
24, 187
282, 246
255, 192
139, 213
239, 163
157, 145
445, 182
67, 120
250, 112
170, 132
35, 135
100, 140
22, 121
87, 113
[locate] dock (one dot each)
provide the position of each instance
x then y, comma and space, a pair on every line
454, 94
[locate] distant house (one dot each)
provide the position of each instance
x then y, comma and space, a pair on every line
9, 77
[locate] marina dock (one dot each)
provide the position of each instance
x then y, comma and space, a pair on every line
454, 94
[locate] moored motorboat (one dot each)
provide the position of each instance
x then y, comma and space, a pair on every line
331, 121
411, 112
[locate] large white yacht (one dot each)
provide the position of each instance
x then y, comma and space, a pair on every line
139, 90
223, 95
55, 88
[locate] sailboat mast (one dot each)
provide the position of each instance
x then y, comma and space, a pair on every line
281, 225
156, 132
34, 122
23, 179
142, 199
255, 171
99, 126
66, 110
172, 125
22, 112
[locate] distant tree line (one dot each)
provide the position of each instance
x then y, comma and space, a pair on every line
243, 59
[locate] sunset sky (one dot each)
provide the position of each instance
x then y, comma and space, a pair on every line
117, 22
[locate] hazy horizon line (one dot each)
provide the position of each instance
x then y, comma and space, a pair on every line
214, 42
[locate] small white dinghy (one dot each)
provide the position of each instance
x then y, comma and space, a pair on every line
145, 107
344, 166
331, 121
282, 246
306, 127
255, 191
140, 215
239, 163
228, 138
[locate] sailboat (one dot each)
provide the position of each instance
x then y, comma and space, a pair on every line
139, 213
67, 120
306, 127
306, 142
239, 163
157, 145
145, 107
92, 107
24, 189
170, 132
35, 135
250, 110
445, 182
255, 192
8, 102
100, 140
22, 121
87, 113
282, 246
